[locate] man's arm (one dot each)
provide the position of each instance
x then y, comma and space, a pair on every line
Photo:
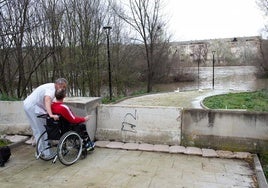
66, 112
48, 102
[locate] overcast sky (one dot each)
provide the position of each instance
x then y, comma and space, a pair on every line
210, 19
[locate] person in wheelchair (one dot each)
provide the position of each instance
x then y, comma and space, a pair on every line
59, 108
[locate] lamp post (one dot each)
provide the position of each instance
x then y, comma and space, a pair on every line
198, 63
107, 31
213, 63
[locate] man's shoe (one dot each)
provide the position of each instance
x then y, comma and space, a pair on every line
31, 141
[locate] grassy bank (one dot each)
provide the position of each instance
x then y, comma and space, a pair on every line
251, 101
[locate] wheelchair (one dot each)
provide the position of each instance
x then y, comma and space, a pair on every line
60, 141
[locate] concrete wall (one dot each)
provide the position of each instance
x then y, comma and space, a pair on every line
13, 119
156, 125
83, 106
217, 129
225, 129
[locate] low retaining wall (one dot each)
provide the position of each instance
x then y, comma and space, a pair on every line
225, 129
155, 125
13, 119
216, 129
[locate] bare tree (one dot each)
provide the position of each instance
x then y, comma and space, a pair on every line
80, 31
145, 19
14, 20
263, 5
5, 50
53, 12
43, 39
223, 53
25, 44
200, 51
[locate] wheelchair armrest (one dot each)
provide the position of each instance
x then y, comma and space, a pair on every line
49, 121
43, 116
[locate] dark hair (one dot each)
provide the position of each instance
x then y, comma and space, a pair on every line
60, 94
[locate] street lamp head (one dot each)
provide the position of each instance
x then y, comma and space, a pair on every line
213, 52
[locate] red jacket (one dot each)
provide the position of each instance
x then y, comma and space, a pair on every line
63, 110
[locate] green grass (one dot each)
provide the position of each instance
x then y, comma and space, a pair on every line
4, 97
251, 101
4, 142
264, 163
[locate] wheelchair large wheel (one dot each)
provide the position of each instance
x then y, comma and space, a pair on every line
69, 148
46, 149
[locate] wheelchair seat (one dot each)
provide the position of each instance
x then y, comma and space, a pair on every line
56, 128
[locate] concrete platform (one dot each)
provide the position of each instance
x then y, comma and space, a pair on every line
106, 167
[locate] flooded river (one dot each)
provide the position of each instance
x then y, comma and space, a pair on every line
225, 78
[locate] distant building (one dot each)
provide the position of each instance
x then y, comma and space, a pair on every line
237, 50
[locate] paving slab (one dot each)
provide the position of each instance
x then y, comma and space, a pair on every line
193, 151
131, 146
126, 168
16, 138
161, 148
115, 145
225, 154
242, 155
102, 144
177, 149
146, 147
209, 153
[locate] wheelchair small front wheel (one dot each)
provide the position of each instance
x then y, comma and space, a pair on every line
69, 148
45, 149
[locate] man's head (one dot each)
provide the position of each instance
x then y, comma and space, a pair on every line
61, 83
60, 94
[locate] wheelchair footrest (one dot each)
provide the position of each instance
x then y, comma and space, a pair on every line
55, 159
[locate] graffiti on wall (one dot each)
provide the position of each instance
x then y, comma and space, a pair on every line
129, 122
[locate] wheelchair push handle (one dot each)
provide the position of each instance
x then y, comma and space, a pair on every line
46, 116
43, 116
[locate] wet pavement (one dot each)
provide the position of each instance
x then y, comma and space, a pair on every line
106, 167
185, 99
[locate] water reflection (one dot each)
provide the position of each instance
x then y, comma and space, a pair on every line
225, 78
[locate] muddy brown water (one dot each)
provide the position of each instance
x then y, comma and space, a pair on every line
225, 78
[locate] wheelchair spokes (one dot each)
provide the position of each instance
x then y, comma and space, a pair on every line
70, 148
44, 149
